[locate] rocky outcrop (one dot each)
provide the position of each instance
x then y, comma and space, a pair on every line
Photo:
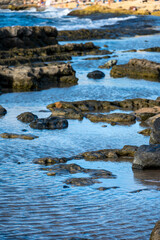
147, 157
137, 69
155, 235
27, 117
144, 113
25, 78
27, 37
155, 133
96, 74
3, 111
109, 64
121, 118
21, 136
51, 123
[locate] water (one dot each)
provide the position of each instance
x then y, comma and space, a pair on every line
36, 206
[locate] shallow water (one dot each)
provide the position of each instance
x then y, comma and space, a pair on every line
36, 206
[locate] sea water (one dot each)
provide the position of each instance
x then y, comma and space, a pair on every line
36, 206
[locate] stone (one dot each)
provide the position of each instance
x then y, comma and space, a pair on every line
21, 136
96, 74
147, 157
155, 133
49, 160
81, 181
3, 111
121, 118
51, 123
144, 113
137, 69
27, 117
145, 132
155, 235
26, 78
106, 188
109, 64
67, 113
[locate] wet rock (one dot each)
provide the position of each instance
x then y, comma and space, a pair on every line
49, 123
27, 37
67, 113
27, 117
109, 64
144, 113
155, 133
137, 69
127, 151
99, 173
150, 121
21, 136
139, 190
147, 157
25, 78
155, 235
81, 181
96, 74
122, 118
145, 132
153, 49
106, 188
3, 111
49, 160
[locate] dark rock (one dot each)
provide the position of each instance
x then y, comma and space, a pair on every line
81, 181
67, 113
96, 74
49, 123
122, 118
25, 78
145, 132
99, 173
27, 117
21, 136
155, 235
65, 186
147, 157
155, 133
153, 49
49, 160
106, 188
3, 111
139, 190
109, 64
137, 69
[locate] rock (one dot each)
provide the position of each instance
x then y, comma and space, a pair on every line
106, 188
150, 121
27, 37
144, 113
81, 181
99, 173
21, 136
49, 160
109, 64
67, 113
49, 123
25, 78
96, 74
137, 69
27, 117
139, 190
3, 111
145, 132
153, 49
127, 151
155, 235
155, 133
147, 157
122, 118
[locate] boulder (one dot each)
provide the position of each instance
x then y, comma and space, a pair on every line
27, 117
49, 123
109, 64
21, 136
25, 78
155, 235
137, 69
67, 113
147, 157
27, 37
96, 74
3, 111
155, 133
121, 118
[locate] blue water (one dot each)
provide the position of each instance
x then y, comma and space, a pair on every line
34, 205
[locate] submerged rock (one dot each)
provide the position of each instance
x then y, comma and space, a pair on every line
147, 157
81, 181
49, 123
27, 117
155, 235
21, 136
96, 74
3, 111
137, 69
25, 78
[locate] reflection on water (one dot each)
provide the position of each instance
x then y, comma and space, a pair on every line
36, 206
